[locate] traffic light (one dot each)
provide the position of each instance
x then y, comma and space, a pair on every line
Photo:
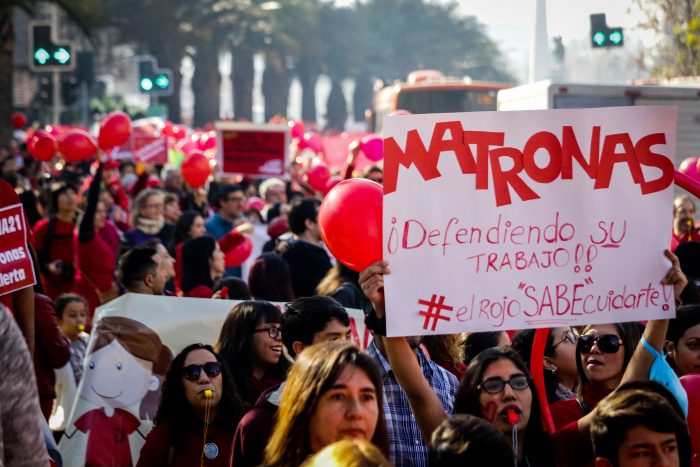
47, 54
604, 36
153, 80
69, 91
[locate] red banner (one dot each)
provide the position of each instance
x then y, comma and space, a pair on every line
16, 269
144, 148
253, 150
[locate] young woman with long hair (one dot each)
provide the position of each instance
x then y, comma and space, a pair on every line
202, 265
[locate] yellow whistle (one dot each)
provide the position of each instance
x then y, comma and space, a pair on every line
81, 327
208, 393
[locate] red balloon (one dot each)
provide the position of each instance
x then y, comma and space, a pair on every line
196, 169
77, 145
186, 145
18, 120
318, 176
373, 147
296, 128
537, 372
350, 220
206, 141
332, 182
42, 145
690, 167
238, 255
115, 130
311, 141
691, 384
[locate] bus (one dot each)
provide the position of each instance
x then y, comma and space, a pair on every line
429, 91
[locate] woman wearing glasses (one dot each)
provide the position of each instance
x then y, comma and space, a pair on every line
198, 413
147, 221
251, 342
602, 354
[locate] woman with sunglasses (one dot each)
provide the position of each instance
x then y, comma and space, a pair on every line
251, 342
198, 413
603, 352
559, 361
334, 392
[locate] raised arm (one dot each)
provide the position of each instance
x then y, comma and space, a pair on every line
86, 231
425, 404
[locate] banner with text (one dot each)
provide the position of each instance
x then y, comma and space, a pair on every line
253, 150
133, 341
144, 148
16, 268
511, 220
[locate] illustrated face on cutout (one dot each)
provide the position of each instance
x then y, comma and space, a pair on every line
115, 378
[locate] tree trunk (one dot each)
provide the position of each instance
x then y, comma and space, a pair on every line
7, 45
275, 85
243, 74
307, 78
206, 82
337, 108
362, 97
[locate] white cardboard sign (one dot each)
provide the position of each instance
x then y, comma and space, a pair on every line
512, 220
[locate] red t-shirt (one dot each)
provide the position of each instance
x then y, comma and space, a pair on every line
60, 248
108, 437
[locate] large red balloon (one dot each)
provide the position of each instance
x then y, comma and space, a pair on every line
196, 169
691, 167
373, 147
238, 255
77, 145
318, 176
350, 220
18, 120
42, 145
115, 130
691, 383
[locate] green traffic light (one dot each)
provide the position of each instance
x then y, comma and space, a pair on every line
61, 55
599, 38
162, 81
42, 56
146, 84
615, 37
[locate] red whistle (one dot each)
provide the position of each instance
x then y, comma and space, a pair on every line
224, 292
513, 417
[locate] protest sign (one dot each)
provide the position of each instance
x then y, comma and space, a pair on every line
511, 220
253, 150
117, 399
144, 148
16, 268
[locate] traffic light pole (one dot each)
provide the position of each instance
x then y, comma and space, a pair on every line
56, 76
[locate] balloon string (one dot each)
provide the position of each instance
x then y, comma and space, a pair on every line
206, 426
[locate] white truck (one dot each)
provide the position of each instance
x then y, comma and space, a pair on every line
552, 95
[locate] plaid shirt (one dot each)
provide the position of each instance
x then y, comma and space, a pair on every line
407, 446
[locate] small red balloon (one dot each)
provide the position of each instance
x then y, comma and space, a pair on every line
350, 220
312, 141
77, 145
196, 169
18, 120
691, 168
296, 129
42, 145
332, 182
238, 255
317, 176
373, 147
115, 130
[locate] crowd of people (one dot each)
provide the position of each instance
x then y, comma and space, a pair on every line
285, 388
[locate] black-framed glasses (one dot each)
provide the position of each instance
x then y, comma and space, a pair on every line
569, 336
607, 343
495, 385
192, 372
273, 332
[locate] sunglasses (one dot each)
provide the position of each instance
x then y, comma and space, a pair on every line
273, 332
569, 336
608, 343
496, 385
192, 372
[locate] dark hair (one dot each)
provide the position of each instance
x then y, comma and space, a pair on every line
522, 343
537, 442
135, 264
175, 410
236, 341
476, 342
307, 316
305, 209
630, 334
469, 440
314, 372
63, 300
237, 288
686, 317
629, 407
269, 278
196, 268
182, 228
689, 257
226, 190
58, 190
